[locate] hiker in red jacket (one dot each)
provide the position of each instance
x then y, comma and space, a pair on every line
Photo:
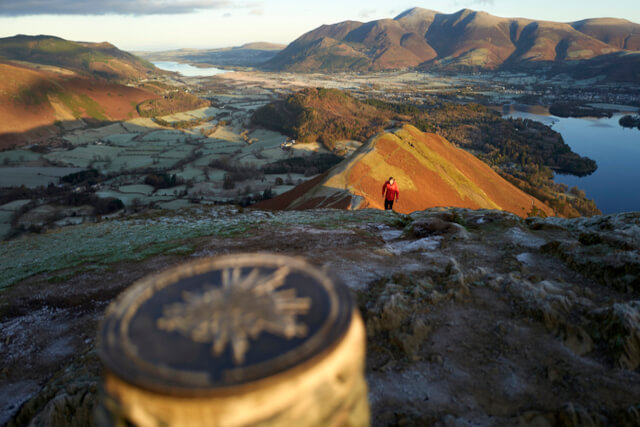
390, 193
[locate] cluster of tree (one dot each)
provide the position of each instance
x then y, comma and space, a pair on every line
236, 171
629, 121
170, 103
308, 166
163, 180
182, 124
86, 177
578, 109
250, 199
101, 205
55, 195
324, 115
565, 202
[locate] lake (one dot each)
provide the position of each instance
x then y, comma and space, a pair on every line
189, 70
615, 186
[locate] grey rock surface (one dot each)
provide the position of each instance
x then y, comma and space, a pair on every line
473, 317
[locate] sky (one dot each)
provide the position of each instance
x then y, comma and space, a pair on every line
137, 25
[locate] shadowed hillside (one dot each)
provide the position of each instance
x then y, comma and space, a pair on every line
465, 40
46, 81
430, 171
32, 100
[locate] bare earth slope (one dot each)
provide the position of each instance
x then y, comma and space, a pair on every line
430, 171
466, 39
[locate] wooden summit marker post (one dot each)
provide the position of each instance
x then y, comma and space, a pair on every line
236, 340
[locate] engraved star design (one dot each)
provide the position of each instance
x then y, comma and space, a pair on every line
242, 308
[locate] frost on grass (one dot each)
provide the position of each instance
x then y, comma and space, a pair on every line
137, 238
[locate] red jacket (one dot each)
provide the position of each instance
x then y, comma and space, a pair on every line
392, 192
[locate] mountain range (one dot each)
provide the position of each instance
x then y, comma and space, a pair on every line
247, 55
466, 40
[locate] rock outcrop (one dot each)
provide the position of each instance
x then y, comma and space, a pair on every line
473, 316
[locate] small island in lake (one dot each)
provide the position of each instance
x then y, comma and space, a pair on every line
577, 109
630, 121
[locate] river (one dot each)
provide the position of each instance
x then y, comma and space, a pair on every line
615, 186
189, 70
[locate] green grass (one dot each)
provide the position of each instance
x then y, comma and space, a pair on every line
92, 108
82, 103
71, 103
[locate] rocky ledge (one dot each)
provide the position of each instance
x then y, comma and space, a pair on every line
473, 317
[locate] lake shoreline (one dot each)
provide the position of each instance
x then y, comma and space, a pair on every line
614, 148
190, 70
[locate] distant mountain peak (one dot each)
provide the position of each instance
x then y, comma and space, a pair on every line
605, 21
416, 12
467, 40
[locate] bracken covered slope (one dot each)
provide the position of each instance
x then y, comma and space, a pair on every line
90, 59
32, 100
429, 170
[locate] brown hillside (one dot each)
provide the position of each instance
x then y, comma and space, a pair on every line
466, 39
390, 46
33, 100
475, 38
620, 33
89, 59
325, 115
430, 171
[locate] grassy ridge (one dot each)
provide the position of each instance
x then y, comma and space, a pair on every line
523, 151
76, 56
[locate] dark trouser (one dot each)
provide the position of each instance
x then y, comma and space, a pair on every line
388, 204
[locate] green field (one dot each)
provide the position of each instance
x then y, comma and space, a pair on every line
129, 151
33, 176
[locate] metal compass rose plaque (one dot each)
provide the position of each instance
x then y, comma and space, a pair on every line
222, 322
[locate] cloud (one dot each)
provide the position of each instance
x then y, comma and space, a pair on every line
365, 13
106, 7
474, 3
258, 11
